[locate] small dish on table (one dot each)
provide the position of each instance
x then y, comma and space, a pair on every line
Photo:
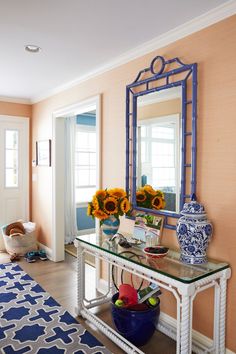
156, 251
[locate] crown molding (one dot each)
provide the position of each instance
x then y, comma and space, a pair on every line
15, 100
198, 23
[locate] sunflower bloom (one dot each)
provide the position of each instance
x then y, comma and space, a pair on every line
101, 193
110, 205
117, 193
89, 209
100, 214
95, 203
163, 203
157, 203
147, 188
125, 205
109, 202
140, 196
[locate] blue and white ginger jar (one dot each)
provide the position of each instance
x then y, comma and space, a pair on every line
194, 232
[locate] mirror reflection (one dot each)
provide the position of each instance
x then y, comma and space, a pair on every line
159, 144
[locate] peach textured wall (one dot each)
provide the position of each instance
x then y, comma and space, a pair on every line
214, 49
15, 109
159, 109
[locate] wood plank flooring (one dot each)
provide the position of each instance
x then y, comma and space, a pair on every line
59, 280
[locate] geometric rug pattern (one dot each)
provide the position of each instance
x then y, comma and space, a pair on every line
32, 322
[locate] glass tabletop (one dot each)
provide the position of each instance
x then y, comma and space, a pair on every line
170, 265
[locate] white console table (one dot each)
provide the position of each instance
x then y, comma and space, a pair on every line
183, 281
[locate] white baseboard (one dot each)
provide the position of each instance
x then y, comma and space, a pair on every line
85, 232
167, 325
102, 286
46, 249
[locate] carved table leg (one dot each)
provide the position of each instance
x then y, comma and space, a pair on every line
185, 325
187, 292
223, 288
216, 318
80, 279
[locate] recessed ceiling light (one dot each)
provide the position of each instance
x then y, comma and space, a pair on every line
32, 48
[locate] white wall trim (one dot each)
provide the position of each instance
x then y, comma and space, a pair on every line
15, 100
167, 325
102, 286
86, 232
198, 23
82, 205
57, 189
46, 249
14, 119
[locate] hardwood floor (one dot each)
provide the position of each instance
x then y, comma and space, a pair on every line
59, 280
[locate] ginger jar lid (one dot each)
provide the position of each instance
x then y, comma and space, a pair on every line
193, 208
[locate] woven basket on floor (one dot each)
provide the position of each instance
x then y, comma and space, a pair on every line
20, 244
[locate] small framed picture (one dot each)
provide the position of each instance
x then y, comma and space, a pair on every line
148, 225
43, 153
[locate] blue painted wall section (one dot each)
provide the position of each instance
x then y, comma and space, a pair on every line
83, 220
87, 118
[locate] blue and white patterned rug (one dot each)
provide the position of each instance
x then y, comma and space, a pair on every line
32, 322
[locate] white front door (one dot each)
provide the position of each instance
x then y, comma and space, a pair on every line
14, 170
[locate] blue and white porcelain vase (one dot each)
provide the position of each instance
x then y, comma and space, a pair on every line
110, 226
194, 232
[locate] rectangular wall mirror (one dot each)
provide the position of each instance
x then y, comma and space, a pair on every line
161, 136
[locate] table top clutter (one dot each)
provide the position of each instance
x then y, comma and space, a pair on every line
170, 265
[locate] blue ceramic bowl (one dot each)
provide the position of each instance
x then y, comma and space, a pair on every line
136, 326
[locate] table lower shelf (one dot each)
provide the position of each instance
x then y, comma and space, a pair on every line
165, 336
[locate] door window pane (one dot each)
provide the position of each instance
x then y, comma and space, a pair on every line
11, 158
11, 139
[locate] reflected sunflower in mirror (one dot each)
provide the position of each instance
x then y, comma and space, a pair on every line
147, 197
107, 203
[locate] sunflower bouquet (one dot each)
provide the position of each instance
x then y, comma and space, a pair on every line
147, 197
109, 202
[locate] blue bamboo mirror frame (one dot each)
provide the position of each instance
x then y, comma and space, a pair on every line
170, 73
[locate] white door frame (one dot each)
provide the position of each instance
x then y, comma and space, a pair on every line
58, 227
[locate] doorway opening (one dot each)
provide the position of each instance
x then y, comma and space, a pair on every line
86, 169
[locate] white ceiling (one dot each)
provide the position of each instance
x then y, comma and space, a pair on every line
79, 37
